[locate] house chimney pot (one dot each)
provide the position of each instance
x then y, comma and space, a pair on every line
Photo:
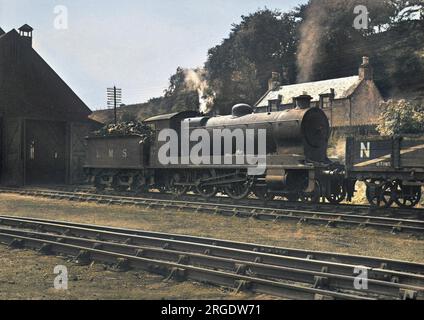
303, 101
365, 60
366, 71
275, 82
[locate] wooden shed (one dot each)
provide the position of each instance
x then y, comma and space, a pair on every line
43, 123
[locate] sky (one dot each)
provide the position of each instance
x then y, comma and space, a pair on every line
133, 44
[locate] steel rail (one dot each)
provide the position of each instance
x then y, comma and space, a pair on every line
269, 214
109, 198
319, 280
276, 204
178, 271
354, 260
232, 250
297, 207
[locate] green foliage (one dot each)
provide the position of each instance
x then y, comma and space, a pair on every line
239, 68
178, 96
401, 117
266, 41
339, 47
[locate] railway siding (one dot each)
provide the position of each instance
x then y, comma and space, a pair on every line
339, 218
241, 269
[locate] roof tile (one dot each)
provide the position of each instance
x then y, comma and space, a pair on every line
344, 87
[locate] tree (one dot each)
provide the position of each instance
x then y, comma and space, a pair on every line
330, 46
240, 67
179, 96
405, 10
401, 117
318, 35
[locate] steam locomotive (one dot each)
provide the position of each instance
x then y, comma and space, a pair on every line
297, 166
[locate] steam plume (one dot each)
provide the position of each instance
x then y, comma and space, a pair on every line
196, 80
312, 32
317, 24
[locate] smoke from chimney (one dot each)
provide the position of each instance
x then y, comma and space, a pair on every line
196, 80
317, 25
312, 32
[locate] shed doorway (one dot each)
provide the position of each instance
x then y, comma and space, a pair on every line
45, 152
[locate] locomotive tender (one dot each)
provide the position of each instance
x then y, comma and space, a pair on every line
297, 166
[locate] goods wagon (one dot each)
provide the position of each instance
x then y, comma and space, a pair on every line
392, 168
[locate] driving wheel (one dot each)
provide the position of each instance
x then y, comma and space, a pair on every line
175, 185
238, 190
206, 188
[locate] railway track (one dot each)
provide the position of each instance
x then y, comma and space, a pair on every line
330, 219
281, 272
411, 213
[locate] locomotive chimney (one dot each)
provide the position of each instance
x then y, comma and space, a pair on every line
274, 83
303, 101
366, 72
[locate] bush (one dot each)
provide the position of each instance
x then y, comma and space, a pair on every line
401, 117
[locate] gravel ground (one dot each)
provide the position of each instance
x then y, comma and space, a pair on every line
28, 275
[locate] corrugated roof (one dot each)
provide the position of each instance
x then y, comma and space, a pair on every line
344, 87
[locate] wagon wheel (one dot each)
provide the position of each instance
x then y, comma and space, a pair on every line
239, 190
336, 194
205, 190
381, 195
262, 194
176, 189
408, 196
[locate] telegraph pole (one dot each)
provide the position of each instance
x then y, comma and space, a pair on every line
114, 98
